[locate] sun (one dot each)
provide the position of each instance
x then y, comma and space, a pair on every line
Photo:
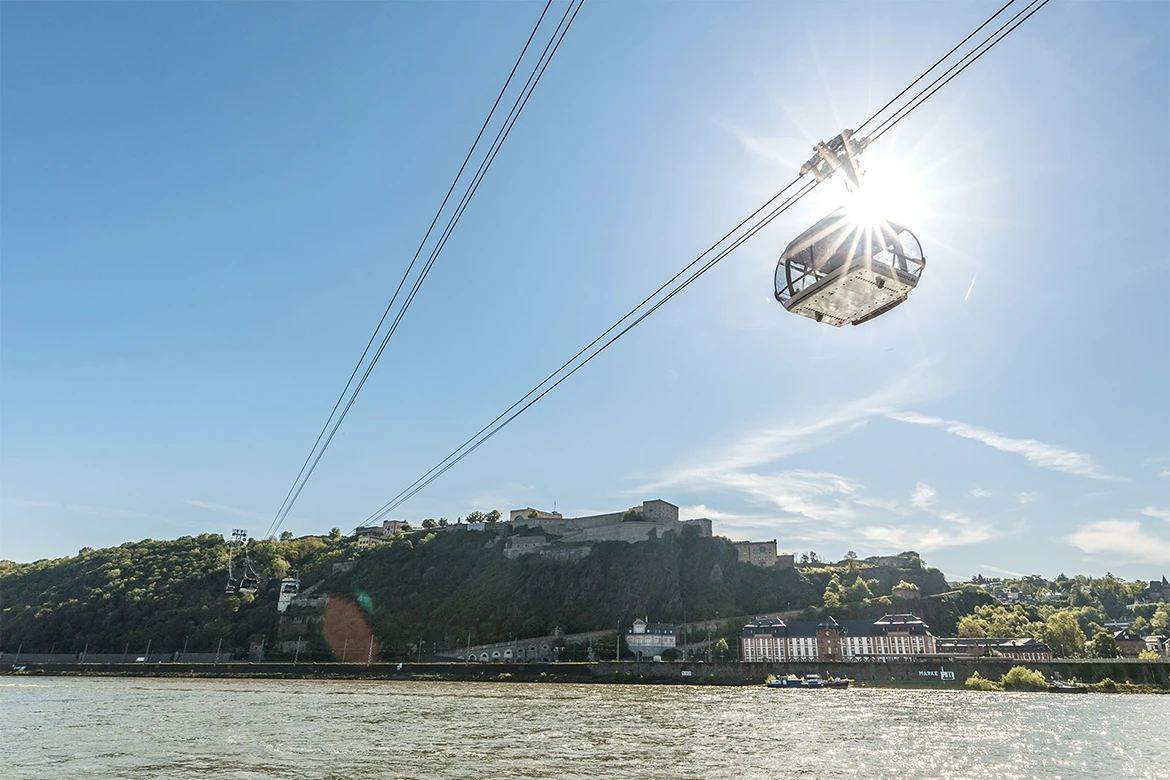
887, 192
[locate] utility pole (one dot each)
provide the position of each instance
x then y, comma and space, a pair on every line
218, 648
184, 656
370, 652
345, 649
148, 641
261, 658
85, 652
617, 644
297, 653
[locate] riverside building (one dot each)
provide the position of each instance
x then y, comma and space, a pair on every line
772, 639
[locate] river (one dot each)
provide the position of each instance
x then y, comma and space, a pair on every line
74, 727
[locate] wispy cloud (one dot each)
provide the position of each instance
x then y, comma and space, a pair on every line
980, 493
1028, 498
1160, 514
1048, 456
776, 442
1121, 539
923, 496
926, 539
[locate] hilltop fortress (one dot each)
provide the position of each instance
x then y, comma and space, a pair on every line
633, 525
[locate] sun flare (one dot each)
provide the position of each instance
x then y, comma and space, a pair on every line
887, 193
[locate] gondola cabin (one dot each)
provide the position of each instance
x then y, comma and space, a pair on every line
846, 271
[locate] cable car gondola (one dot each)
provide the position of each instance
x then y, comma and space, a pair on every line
844, 270
848, 267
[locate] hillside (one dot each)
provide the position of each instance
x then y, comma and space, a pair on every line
439, 587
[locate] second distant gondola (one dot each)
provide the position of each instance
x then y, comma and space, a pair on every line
846, 271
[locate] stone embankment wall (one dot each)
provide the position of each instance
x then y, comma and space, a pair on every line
1155, 672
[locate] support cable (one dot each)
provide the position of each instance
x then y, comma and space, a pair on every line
303, 477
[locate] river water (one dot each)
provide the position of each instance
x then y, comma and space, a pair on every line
70, 727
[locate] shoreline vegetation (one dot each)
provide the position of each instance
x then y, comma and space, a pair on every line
1016, 679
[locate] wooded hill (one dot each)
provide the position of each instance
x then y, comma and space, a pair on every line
438, 587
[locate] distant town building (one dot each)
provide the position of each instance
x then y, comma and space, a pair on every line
1020, 648
772, 639
1130, 644
1156, 593
372, 534
1158, 643
647, 640
757, 553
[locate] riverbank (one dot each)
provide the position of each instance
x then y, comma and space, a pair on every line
941, 674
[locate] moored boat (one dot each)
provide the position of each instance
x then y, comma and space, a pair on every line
808, 681
1060, 686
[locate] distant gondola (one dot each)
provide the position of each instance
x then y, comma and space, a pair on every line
844, 270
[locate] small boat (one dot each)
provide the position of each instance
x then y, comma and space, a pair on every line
1060, 686
809, 681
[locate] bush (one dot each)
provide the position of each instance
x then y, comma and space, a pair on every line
1106, 685
1020, 678
977, 683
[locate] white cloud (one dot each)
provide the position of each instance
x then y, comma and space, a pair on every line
925, 539
980, 492
1164, 473
1121, 539
1160, 514
1049, 456
1028, 498
923, 496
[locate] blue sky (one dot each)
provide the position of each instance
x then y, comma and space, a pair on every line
205, 208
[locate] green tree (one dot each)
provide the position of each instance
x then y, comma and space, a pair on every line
334, 533
1064, 635
833, 593
476, 517
1140, 626
1021, 678
1160, 622
721, 648
429, 523
286, 536
971, 628
1079, 597
858, 592
443, 522
1104, 646
492, 516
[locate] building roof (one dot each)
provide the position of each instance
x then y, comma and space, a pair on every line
807, 628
